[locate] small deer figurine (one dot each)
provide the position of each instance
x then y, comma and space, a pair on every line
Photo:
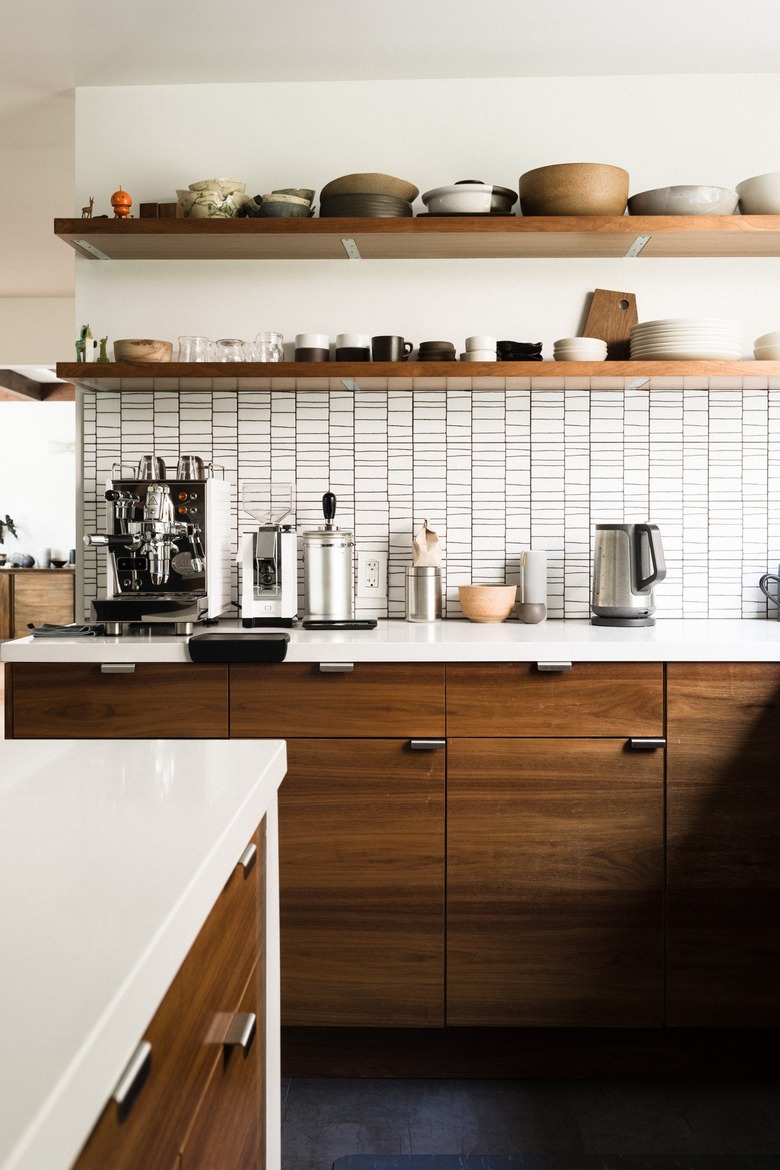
86, 212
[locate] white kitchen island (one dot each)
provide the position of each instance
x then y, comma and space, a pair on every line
112, 855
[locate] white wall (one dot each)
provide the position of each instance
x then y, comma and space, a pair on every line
38, 476
663, 130
37, 330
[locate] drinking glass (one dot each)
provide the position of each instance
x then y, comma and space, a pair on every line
194, 349
269, 347
230, 349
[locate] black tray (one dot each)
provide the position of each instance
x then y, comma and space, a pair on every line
247, 647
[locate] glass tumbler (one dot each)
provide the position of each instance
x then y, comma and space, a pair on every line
230, 349
269, 347
194, 349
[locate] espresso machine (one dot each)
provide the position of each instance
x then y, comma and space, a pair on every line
268, 555
168, 547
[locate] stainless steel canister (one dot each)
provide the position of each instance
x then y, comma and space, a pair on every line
328, 574
423, 594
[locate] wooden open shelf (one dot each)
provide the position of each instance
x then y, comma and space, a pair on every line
423, 238
421, 376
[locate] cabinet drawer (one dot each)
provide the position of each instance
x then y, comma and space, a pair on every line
374, 699
517, 699
185, 1034
79, 700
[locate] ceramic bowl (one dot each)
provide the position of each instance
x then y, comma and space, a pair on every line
222, 186
684, 200
760, 195
370, 184
487, 603
142, 349
305, 193
272, 209
768, 339
767, 353
211, 204
469, 198
284, 197
574, 189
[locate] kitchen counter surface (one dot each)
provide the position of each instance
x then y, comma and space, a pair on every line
112, 854
455, 640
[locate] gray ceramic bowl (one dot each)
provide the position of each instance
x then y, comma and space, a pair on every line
685, 200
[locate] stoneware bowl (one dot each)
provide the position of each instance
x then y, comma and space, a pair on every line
760, 195
684, 200
142, 349
574, 189
222, 186
487, 603
371, 183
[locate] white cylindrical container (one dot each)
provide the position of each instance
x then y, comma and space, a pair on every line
43, 558
532, 595
423, 593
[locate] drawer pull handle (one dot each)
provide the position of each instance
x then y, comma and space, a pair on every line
117, 667
337, 667
133, 1078
241, 1032
248, 858
646, 743
427, 745
553, 667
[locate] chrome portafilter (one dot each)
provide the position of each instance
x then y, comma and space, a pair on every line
765, 585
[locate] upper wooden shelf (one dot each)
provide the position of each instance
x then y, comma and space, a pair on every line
425, 238
177, 377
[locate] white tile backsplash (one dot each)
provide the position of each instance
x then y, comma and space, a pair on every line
492, 472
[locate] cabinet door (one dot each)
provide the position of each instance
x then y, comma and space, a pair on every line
593, 698
42, 596
225, 1131
361, 843
554, 883
74, 700
296, 699
185, 1034
724, 844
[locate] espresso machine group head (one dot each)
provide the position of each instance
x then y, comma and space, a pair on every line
268, 555
168, 546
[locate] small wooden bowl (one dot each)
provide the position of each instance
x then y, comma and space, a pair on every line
487, 603
142, 349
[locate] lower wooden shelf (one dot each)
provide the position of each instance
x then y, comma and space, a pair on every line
424, 376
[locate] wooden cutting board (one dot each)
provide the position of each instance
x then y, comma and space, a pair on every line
610, 317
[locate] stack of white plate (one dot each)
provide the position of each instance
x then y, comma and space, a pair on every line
681, 339
580, 349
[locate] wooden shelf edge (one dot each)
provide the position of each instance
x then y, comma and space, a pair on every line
421, 376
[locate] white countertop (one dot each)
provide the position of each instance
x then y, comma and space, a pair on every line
454, 640
112, 854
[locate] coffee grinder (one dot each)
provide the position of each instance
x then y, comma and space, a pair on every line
268, 555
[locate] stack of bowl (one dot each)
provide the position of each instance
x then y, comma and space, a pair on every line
213, 199
519, 351
580, 349
767, 347
371, 196
437, 351
480, 349
287, 202
683, 339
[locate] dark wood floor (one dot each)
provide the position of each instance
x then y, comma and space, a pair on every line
324, 1120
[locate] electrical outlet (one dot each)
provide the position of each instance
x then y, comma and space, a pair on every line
372, 574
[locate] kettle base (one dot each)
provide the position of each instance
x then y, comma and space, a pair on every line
618, 621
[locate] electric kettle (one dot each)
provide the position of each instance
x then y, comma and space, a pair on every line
628, 559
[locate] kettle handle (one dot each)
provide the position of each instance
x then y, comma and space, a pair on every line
329, 506
651, 534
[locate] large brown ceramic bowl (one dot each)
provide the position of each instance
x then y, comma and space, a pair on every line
574, 189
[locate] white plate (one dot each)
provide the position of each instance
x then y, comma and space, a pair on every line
729, 321
672, 355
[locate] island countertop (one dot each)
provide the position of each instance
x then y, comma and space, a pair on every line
112, 854
453, 640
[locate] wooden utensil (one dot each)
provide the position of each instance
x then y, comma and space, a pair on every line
610, 317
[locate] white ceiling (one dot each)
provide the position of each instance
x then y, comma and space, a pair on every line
50, 47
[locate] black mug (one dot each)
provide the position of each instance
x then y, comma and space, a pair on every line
390, 349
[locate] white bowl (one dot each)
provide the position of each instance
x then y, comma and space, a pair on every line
579, 355
768, 338
466, 198
760, 195
479, 355
684, 200
585, 342
767, 353
481, 341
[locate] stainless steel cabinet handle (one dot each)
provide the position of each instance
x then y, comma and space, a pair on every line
553, 667
427, 745
117, 667
646, 743
132, 1079
337, 667
241, 1032
248, 858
